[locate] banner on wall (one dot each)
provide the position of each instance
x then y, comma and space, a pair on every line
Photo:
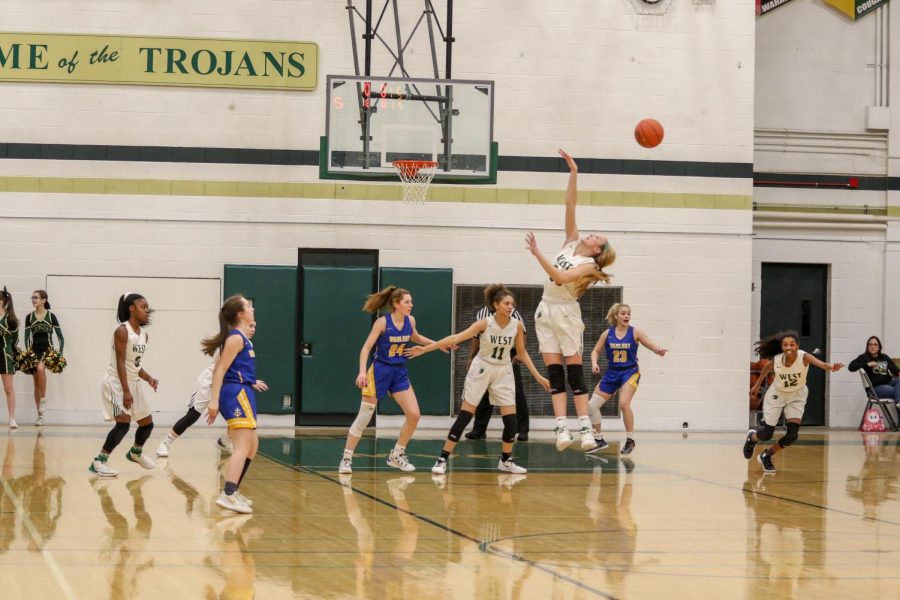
254, 64
855, 9
765, 6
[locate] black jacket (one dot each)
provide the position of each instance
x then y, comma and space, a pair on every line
882, 372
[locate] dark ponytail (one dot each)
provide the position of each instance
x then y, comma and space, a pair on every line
228, 318
494, 293
11, 317
768, 347
126, 300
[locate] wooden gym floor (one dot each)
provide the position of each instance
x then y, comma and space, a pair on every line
685, 517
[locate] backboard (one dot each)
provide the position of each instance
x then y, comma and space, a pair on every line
371, 122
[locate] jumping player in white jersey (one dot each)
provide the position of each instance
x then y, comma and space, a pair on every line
787, 394
490, 371
122, 393
198, 403
557, 321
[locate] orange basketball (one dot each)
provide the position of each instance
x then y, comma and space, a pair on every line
649, 133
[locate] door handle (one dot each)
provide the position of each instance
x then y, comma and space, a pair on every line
306, 349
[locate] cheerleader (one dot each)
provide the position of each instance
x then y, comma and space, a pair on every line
122, 393
40, 324
198, 403
557, 321
232, 394
9, 336
490, 371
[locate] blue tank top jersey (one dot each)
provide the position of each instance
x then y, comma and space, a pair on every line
621, 352
390, 346
243, 367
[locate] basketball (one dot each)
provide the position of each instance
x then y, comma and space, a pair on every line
649, 133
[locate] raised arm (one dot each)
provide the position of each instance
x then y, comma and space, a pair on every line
644, 340
809, 359
522, 355
558, 276
233, 345
571, 197
595, 353
377, 329
451, 340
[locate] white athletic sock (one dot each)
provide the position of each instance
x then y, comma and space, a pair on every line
585, 423
561, 422
170, 439
348, 453
398, 449
630, 434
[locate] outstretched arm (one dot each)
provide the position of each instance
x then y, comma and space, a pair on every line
642, 338
812, 360
418, 338
559, 277
451, 340
571, 197
522, 355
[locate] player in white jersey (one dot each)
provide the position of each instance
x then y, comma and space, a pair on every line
198, 403
490, 371
557, 320
787, 394
122, 393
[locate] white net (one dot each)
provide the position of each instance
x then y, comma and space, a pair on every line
415, 175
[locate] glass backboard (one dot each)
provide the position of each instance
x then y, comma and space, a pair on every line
371, 122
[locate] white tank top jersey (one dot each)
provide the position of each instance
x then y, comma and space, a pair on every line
134, 350
565, 260
495, 342
792, 378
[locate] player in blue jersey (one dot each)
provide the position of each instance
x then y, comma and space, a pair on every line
386, 373
620, 342
232, 394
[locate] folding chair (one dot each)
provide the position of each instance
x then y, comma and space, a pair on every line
873, 399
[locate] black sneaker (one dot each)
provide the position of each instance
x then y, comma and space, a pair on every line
475, 435
749, 445
766, 461
629, 446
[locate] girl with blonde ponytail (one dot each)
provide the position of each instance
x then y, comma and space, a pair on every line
386, 373
557, 321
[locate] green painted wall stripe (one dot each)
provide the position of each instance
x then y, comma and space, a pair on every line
362, 191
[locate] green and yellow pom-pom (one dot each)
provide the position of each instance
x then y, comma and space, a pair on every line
54, 361
27, 361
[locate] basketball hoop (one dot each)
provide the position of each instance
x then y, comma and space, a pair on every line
415, 175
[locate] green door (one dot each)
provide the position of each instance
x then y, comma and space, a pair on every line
273, 290
333, 285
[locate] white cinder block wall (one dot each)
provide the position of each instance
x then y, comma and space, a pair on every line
576, 75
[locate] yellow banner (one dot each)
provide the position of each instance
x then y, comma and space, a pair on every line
48, 57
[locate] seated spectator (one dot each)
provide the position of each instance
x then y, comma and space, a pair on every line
880, 368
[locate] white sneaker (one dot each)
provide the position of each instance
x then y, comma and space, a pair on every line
13, 424
244, 499
563, 438
588, 442
398, 485
510, 467
140, 459
99, 467
440, 467
440, 481
233, 502
508, 480
399, 461
163, 450
39, 421
225, 445
346, 466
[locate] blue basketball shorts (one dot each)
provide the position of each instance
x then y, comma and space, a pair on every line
385, 379
613, 379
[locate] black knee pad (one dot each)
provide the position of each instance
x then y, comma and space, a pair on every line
116, 435
456, 430
765, 432
793, 432
557, 376
510, 428
576, 379
143, 434
186, 421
